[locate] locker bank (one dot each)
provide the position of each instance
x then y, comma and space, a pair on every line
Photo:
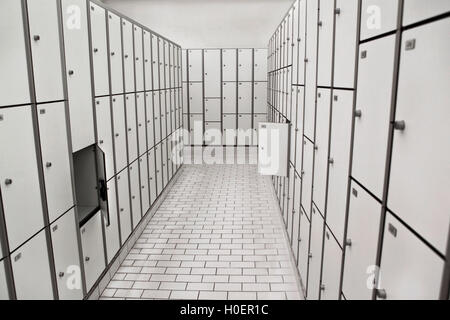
135, 137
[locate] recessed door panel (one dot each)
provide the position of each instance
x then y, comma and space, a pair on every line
245, 98
245, 65
141, 120
260, 97
229, 90
119, 132
260, 65
111, 222
99, 50
378, 17
212, 73
131, 127
326, 35
115, 53
128, 56
138, 58
229, 67
195, 97
135, 193
331, 274
212, 110
195, 67
123, 193
308, 154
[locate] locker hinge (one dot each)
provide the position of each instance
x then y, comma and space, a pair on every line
410, 44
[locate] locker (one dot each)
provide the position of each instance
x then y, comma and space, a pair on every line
345, 43
99, 50
123, 195
289, 38
260, 65
166, 65
195, 67
378, 17
290, 207
372, 128
138, 58
229, 129
115, 53
104, 133
331, 274
46, 50
4, 295
326, 35
159, 172
212, 110
257, 119
416, 10
119, 132
169, 158
34, 282
409, 269
148, 61
245, 65
19, 175
321, 148
135, 193
157, 117
245, 97
341, 133
128, 56
303, 248
292, 142
245, 129
76, 42
164, 163
296, 215
229, 90
212, 73
195, 97
111, 222
185, 98
260, 97
427, 71
66, 255
130, 104
150, 121
301, 40
141, 119
173, 110
163, 101
93, 253
213, 133
362, 239
196, 129
14, 76
155, 62
173, 69
315, 260
307, 176
185, 66
152, 175
299, 139
229, 67
55, 158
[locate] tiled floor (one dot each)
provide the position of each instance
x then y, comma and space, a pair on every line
218, 235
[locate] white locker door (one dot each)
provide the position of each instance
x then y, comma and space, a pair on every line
14, 87
76, 42
111, 222
195, 97
196, 129
345, 43
212, 110
159, 177
4, 295
131, 127
257, 119
296, 216
245, 130
326, 35
143, 169
409, 269
195, 67
416, 10
229, 68
138, 58
299, 140
19, 175
150, 121
66, 255
119, 132
142, 134
260, 97
363, 229
229, 129
115, 55
148, 61
104, 133
164, 162
331, 274
185, 66
169, 159
315, 260
378, 17
303, 248
372, 128
155, 62
163, 100
31, 270
428, 73
307, 176
295, 42
212, 73
321, 149
46, 50
229, 97
93, 253
261, 64
135, 193
341, 134
245, 97
55, 158
213, 133
152, 175
302, 44
157, 118
288, 214
123, 194
166, 65
99, 50
185, 98
245, 66
128, 55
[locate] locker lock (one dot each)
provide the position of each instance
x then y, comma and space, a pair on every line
36, 38
320, 23
8, 182
348, 242
400, 125
95, 50
331, 161
337, 11
113, 53
381, 294
71, 72
358, 114
322, 287
126, 56
48, 165
87, 259
61, 274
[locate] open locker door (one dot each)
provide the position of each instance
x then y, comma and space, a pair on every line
273, 150
101, 185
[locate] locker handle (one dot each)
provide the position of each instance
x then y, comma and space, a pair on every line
36, 38
71, 72
381, 294
8, 182
400, 125
113, 53
48, 165
358, 114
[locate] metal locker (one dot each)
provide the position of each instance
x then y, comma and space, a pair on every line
157, 115
195, 97
46, 50
303, 248
245, 65
123, 195
307, 176
150, 120
164, 162
55, 158
427, 71
416, 10
229, 67
213, 133
31, 270
299, 139
120, 141
166, 65
292, 142
290, 207
257, 119
229, 129
152, 175
195, 67
321, 158
362, 240
184, 65
141, 120
159, 170
66, 255
104, 133
173, 110
111, 222
409, 269
229, 90
260, 65
186, 121
135, 193
212, 73
128, 55
93, 253
245, 97
245, 130
130, 105
115, 53
76, 42
376, 69
296, 215
155, 62
296, 41
331, 274
212, 110
19, 175
99, 50
185, 98
148, 77
315, 257
4, 294
173, 68
378, 17
196, 129
138, 58
169, 159
301, 40
14, 87
260, 97
163, 101
326, 37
